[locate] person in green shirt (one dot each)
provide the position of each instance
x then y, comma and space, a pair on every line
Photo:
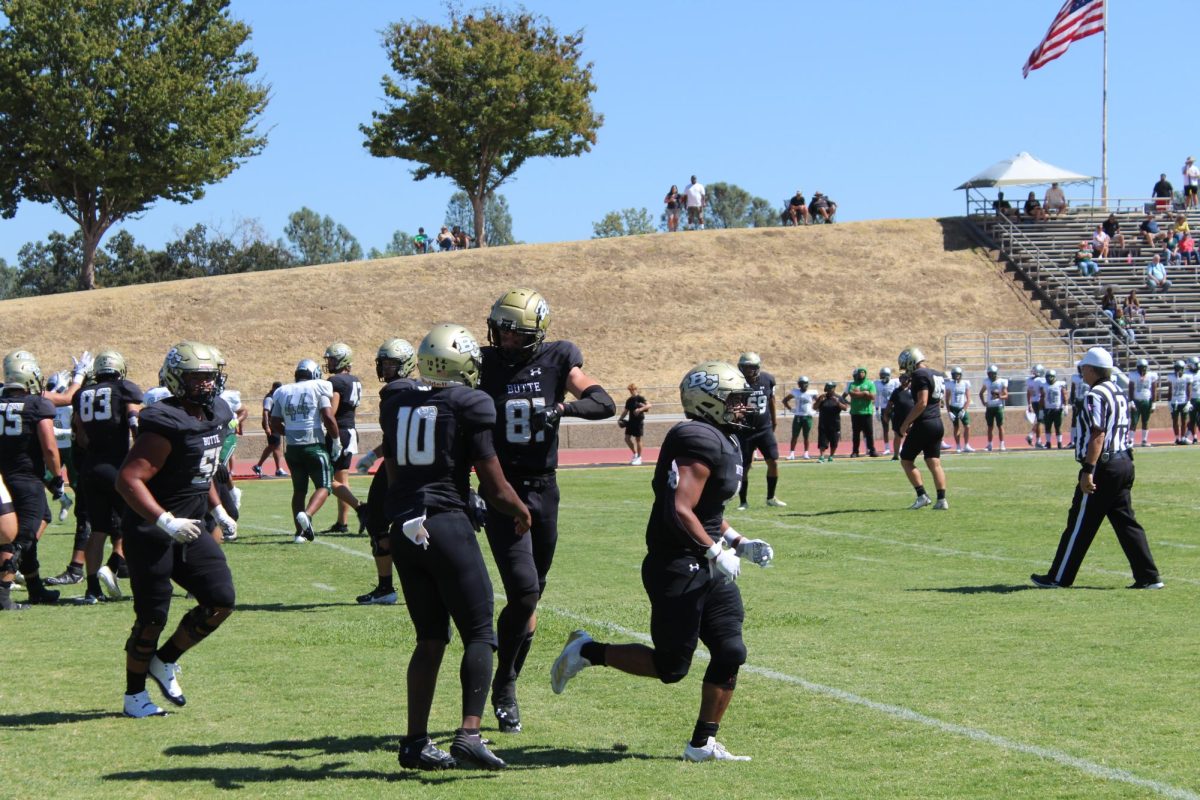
861, 392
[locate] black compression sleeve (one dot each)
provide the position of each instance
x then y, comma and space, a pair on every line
593, 404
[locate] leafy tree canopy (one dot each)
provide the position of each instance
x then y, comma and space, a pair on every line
627, 222
497, 220
731, 206
320, 240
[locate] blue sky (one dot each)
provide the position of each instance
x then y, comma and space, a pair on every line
885, 106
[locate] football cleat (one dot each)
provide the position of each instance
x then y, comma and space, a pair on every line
257, 470
337, 527
18, 578
1029, 438
711, 751
1002, 447
1146, 585
921, 501
743, 507
508, 717
968, 449
140, 705
108, 582
306, 528
425, 755
989, 447
43, 596
299, 540
1044, 582
775, 501
377, 597
281, 473
164, 675
941, 505
569, 662
90, 599
470, 749
636, 461
65, 578
7, 603
791, 457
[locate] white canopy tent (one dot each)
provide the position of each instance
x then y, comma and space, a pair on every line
1020, 170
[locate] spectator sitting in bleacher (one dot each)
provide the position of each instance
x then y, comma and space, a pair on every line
445, 239
1108, 303
1163, 194
1085, 261
1113, 228
1034, 210
1100, 241
1187, 250
1055, 202
822, 209
1003, 208
1170, 253
421, 241
1134, 314
1156, 275
797, 209
1150, 230
1181, 224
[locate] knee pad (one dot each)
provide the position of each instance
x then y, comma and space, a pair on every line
381, 543
25, 556
201, 621
721, 674
727, 657
674, 676
83, 532
143, 639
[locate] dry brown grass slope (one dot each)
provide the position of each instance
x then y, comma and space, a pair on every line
817, 300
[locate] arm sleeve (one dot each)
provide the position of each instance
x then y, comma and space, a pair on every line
594, 404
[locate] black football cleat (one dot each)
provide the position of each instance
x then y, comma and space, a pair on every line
508, 717
65, 578
425, 755
469, 749
1044, 582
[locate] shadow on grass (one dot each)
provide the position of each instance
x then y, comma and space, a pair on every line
36, 719
1000, 588
244, 607
831, 512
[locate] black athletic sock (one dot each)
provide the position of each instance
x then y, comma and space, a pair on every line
385, 583
771, 484
169, 653
941, 494
522, 653
475, 673
702, 731
595, 653
742, 492
467, 731
921, 490
34, 584
135, 682
93, 586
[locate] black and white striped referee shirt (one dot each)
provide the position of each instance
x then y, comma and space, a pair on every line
1105, 407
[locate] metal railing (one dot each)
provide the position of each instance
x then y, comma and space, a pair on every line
1078, 207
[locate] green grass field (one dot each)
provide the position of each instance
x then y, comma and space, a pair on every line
892, 654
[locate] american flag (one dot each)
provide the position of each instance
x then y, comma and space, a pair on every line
1075, 20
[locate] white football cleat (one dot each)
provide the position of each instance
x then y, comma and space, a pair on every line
791, 457
636, 461
299, 540
1002, 447
140, 705
941, 505
968, 449
711, 751
921, 501
306, 528
958, 449
569, 662
775, 501
807, 457
743, 507
164, 675
108, 582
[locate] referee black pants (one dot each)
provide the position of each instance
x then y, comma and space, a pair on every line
1112, 500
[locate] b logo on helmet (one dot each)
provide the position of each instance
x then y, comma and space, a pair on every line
465, 344
705, 381
541, 311
174, 359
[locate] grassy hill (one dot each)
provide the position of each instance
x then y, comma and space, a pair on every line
817, 300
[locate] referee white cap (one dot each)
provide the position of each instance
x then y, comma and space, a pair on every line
1097, 357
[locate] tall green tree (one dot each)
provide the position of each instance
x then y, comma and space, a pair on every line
731, 206
400, 245
107, 106
474, 99
320, 240
626, 222
497, 219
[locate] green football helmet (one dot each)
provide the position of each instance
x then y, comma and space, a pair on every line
521, 311
993, 371
109, 362
398, 352
449, 356
715, 392
185, 369
338, 357
909, 358
21, 371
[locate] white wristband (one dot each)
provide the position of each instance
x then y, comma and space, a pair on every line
164, 521
731, 536
77, 378
221, 515
713, 551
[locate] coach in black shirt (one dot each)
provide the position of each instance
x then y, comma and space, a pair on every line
1105, 479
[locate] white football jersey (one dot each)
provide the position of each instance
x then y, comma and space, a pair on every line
1054, 395
957, 393
1034, 388
802, 402
992, 390
1078, 388
62, 427
1179, 388
1142, 385
299, 406
884, 389
1195, 385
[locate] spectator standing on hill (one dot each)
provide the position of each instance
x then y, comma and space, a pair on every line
1033, 209
958, 398
829, 422
1055, 201
1191, 183
900, 403
674, 201
696, 200
273, 447
993, 394
1085, 260
862, 412
797, 209
759, 433
923, 429
884, 386
1100, 243
633, 420
1143, 391
822, 208
1150, 230
1112, 229
800, 402
421, 241
1156, 275
1163, 193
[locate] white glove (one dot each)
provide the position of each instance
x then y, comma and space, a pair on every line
335, 449
228, 524
82, 365
366, 462
756, 551
414, 529
726, 561
181, 530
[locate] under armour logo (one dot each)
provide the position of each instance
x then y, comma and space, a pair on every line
693, 567
535, 371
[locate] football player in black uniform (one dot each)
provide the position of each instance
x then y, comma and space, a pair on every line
922, 428
105, 413
347, 392
687, 572
759, 431
395, 361
166, 482
528, 378
27, 452
433, 433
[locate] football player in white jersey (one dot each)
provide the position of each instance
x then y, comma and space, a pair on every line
1143, 391
1034, 386
1054, 397
799, 401
1180, 387
299, 412
1079, 391
1193, 371
884, 387
993, 393
956, 400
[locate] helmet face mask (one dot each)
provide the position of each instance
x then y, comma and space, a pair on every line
1051, 376
193, 372
338, 357
308, 370
395, 359
517, 325
860, 374
717, 393
1179, 366
450, 356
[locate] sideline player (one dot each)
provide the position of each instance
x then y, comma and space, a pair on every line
433, 434
1103, 488
1034, 386
1194, 395
994, 394
688, 571
166, 482
759, 431
884, 387
1054, 395
272, 449
633, 422
347, 393
1078, 392
1143, 391
923, 429
958, 399
528, 378
800, 401
1179, 387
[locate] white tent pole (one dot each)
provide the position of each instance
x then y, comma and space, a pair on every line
1104, 122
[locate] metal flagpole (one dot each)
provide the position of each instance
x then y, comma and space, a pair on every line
1104, 123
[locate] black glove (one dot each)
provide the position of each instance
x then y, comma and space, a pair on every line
476, 510
543, 418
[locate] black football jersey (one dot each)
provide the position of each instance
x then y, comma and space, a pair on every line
20, 449
395, 385
902, 403
935, 383
762, 388
433, 435
702, 442
516, 390
101, 410
181, 485
349, 389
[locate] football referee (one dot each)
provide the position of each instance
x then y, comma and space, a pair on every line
1105, 478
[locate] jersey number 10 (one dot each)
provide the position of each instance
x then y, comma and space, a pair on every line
415, 436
